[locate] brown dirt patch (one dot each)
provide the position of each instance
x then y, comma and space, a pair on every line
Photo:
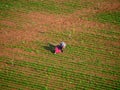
2, 66
9, 23
42, 22
109, 6
116, 44
17, 54
98, 7
13, 36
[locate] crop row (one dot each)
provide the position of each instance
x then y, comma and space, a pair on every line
31, 81
110, 32
40, 67
83, 65
81, 50
95, 40
85, 50
82, 79
66, 57
57, 72
8, 85
20, 79
90, 81
76, 50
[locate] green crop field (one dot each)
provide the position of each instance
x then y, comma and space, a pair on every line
30, 29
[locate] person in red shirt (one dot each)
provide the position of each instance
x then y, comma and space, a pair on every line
59, 48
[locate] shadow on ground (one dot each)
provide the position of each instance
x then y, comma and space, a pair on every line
50, 47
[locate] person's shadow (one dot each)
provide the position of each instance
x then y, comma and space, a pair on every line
50, 47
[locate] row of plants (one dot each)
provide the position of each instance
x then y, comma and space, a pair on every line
65, 73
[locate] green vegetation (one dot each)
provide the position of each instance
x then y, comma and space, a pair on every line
111, 17
43, 5
89, 62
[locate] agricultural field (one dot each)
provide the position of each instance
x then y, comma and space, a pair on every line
29, 30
